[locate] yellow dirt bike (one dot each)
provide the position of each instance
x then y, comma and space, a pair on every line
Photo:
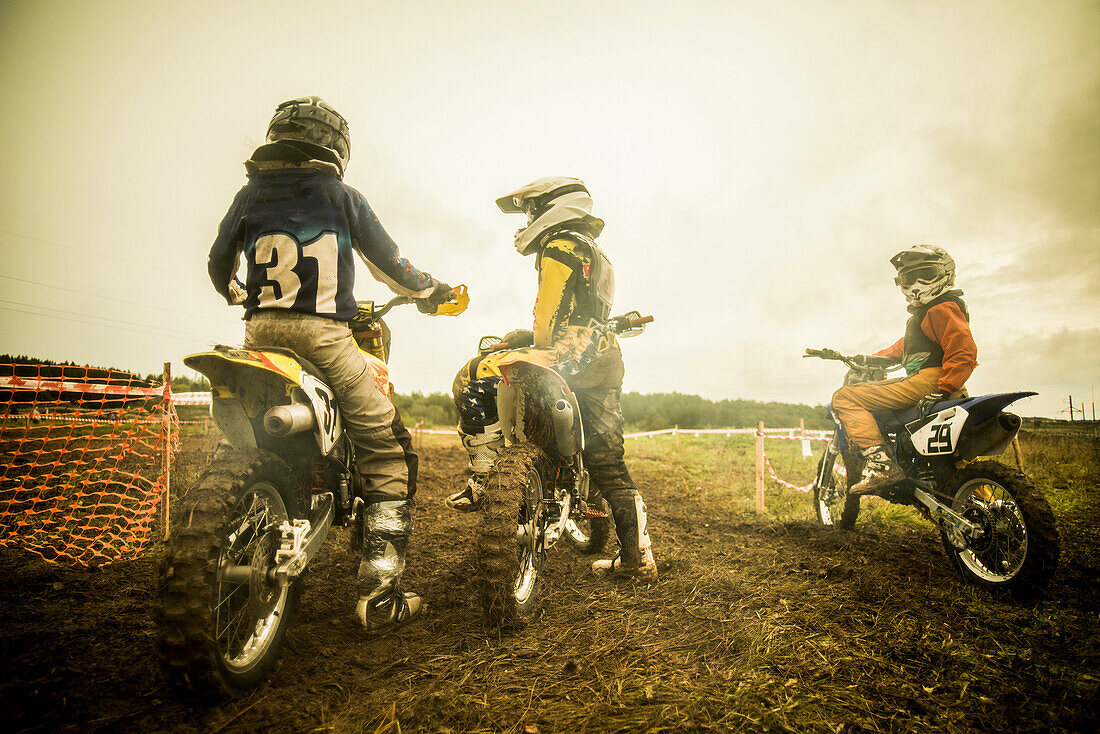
231, 576
538, 488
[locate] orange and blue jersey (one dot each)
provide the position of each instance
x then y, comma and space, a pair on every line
938, 335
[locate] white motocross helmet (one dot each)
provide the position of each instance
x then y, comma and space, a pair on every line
925, 272
549, 202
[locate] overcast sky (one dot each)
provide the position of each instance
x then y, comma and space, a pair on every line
757, 164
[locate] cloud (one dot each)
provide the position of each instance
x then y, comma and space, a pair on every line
1065, 355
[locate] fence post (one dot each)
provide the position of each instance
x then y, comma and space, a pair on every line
760, 467
1019, 455
676, 434
167, 443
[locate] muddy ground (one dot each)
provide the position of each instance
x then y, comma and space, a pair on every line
766, 623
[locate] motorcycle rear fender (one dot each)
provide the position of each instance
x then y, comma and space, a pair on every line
512, 422
245, 383
968, 428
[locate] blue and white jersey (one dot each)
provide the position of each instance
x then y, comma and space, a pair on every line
297, 229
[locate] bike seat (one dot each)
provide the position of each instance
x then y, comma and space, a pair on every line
306, 364
892, 421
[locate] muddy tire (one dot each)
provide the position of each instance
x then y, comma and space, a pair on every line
1019, 549
589, 536
509, 543
833, 506
221, 621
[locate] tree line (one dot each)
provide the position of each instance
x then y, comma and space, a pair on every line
647, 412
641, 412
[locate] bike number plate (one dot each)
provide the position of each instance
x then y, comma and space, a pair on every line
941, 434
323, 401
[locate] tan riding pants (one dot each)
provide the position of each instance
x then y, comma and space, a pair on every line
383, 453
853, 404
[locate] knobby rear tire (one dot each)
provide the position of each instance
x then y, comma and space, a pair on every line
1024, 576
508, 576
194, 657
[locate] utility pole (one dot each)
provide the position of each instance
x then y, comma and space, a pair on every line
1071, 409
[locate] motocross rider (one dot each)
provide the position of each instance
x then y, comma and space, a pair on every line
571, 335
937, 351
298, 227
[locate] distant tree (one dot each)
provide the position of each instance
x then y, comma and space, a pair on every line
436, 409
664, 410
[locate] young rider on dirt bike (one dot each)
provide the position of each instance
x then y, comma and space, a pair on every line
298, 226
576, 288
937, 351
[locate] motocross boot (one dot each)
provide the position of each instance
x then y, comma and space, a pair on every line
483, 449
382, 604
634, 561
879, 471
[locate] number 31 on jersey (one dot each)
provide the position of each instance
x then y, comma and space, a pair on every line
276, 257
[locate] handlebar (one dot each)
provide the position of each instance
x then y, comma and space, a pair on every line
633, 323
395, 301
629, 324
453, 306
854, 361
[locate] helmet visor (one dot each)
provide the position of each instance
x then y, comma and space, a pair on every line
909, 277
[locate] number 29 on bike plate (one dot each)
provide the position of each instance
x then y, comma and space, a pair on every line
940, 435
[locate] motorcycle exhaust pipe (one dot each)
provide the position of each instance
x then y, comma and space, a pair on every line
990, 438
283, 420
1010, 422
563, 428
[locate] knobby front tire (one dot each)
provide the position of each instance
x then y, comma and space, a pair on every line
833, 505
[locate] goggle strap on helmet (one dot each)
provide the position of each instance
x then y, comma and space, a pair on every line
535, 206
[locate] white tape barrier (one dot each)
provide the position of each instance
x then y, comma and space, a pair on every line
790, 434
191, 398
38, 384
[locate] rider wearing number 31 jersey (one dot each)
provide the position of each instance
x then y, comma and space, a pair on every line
297, 225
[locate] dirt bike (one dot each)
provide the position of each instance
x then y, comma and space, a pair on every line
996, 527
230, 581
538, 488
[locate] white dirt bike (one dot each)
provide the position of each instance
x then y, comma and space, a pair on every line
996, 526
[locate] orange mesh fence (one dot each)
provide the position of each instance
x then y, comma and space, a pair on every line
84, 461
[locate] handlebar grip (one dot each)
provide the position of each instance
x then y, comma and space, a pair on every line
640, 321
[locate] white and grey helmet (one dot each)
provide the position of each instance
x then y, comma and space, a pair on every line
549, 203
925, 272
314, 122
